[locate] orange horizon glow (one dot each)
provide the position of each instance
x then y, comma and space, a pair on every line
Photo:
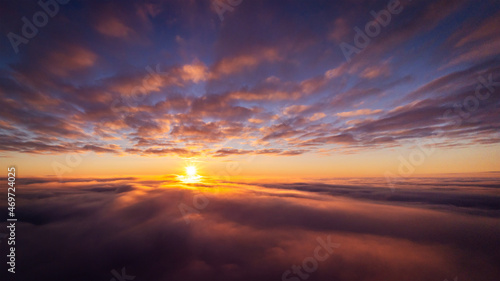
364, 164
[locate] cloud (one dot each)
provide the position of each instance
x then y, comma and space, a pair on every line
195, 72
161, 83
317, 116
340, 29
358, 112
376, 71
113, 27
136, 223
224, 152
239, 63
163, 152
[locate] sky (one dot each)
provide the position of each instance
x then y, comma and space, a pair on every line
250, 88
238, 140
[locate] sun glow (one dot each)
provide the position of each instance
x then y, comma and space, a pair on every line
191, 171
191, 175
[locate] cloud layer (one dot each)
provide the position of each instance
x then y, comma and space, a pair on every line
427, 229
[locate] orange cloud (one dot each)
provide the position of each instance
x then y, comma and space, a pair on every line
113, 27
358, 112
238, 63
195, 72
64, 61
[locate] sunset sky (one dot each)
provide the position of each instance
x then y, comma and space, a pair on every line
142, 87
137, 89
243, 140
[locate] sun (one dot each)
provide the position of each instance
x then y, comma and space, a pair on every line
191, 171
191, 175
